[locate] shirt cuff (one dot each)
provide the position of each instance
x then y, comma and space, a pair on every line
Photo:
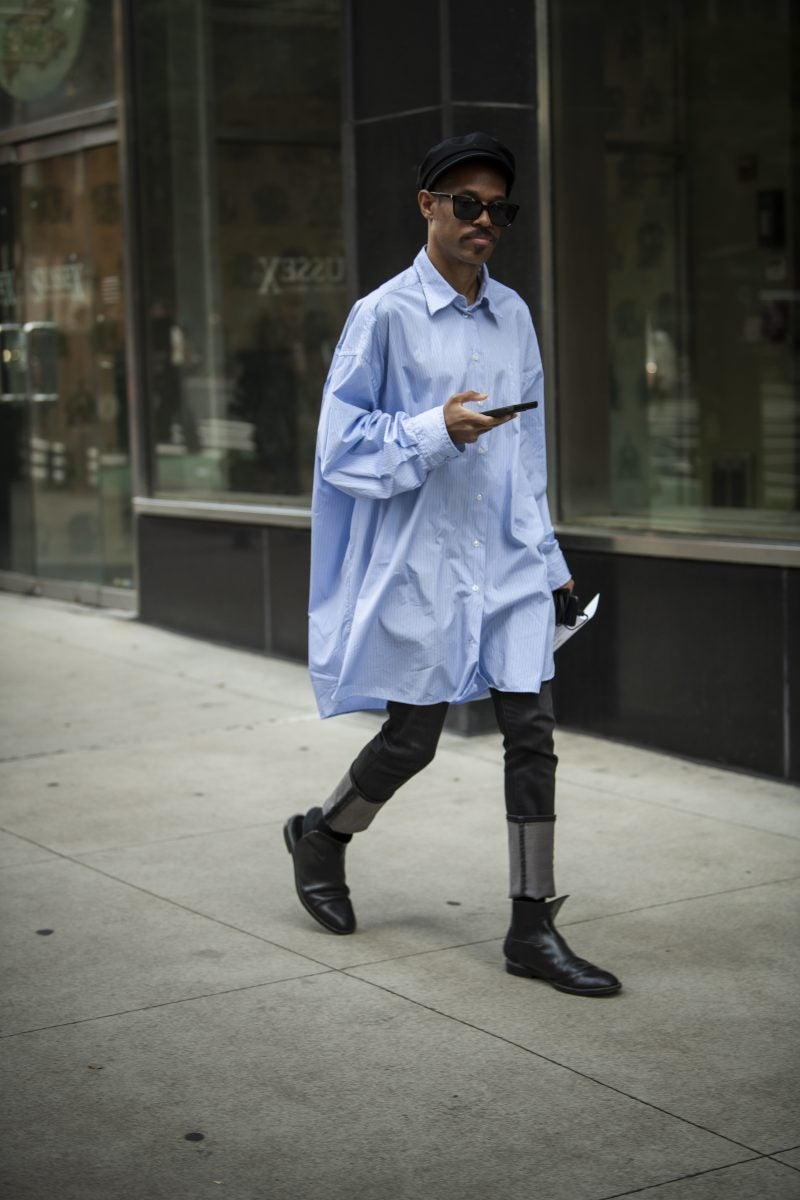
434, 442
558, 573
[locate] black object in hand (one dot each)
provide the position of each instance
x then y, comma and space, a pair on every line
568, 608
511, 408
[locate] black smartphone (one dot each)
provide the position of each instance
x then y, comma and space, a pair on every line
510, 408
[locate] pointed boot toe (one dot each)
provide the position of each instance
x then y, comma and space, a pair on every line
319, 875
584, 979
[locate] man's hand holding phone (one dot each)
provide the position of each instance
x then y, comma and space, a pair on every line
466, 425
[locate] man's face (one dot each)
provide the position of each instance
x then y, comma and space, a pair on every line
467, 242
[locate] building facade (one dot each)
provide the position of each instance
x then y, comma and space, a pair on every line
192, 194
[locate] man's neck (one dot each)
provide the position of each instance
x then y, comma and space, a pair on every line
462, 277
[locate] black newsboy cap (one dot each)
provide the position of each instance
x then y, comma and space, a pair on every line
459, 149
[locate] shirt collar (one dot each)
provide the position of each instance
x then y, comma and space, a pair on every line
438, 292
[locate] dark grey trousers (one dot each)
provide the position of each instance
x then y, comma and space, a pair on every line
407, 742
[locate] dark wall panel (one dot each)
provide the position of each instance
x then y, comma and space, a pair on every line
390, 227
684, 656
792, 586
400, 68
516, 261
289, 553
204, 579
395, 56
508, 75
239, 584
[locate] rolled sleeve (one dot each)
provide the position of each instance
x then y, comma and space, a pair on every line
434, 443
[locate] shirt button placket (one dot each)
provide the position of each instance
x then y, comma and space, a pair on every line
479, 506
477, 556
476, 373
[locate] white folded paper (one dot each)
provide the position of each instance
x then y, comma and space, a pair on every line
564, 632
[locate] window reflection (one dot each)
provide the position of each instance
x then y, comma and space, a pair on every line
65, 487
676, 153
243, 253
54, 58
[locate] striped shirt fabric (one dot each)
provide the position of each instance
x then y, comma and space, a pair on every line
432, 565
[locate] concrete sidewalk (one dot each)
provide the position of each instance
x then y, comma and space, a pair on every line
174, 1025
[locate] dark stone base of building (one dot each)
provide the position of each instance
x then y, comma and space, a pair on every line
696, 658
246, 585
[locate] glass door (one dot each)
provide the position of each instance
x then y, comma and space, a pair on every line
65, 509
16, 501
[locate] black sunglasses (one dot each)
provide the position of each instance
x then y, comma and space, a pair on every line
467, 208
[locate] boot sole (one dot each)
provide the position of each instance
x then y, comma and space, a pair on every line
290, 839
527, 973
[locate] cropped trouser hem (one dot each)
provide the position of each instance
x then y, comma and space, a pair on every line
347, 810
530, 857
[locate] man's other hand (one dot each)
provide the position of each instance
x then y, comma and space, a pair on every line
465, 424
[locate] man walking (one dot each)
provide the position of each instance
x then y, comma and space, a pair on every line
434, 563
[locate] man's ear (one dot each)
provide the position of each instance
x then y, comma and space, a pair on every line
426, 202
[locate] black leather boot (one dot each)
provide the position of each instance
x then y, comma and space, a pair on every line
534, 948
319, 872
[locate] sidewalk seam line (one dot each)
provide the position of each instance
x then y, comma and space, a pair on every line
371, 962
570, 924
143, 1008
780, 1163
564, 1067
154, 669
652, 1187
155, 740
180, 837
675, 808
177, 904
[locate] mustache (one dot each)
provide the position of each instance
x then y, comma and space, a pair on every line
481, 233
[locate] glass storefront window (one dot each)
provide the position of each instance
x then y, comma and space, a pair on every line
55, 58
238, 128
65, 483
677, 250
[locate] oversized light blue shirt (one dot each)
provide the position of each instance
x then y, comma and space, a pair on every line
432, 565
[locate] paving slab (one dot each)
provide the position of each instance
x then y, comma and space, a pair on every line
108, 947
119, 636
707, 1026
16, 850
144, 828
409, 901
616, 768
173, 786
616, 852
90, 704
432, 869
416, 888
759, 1180
324, 1086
